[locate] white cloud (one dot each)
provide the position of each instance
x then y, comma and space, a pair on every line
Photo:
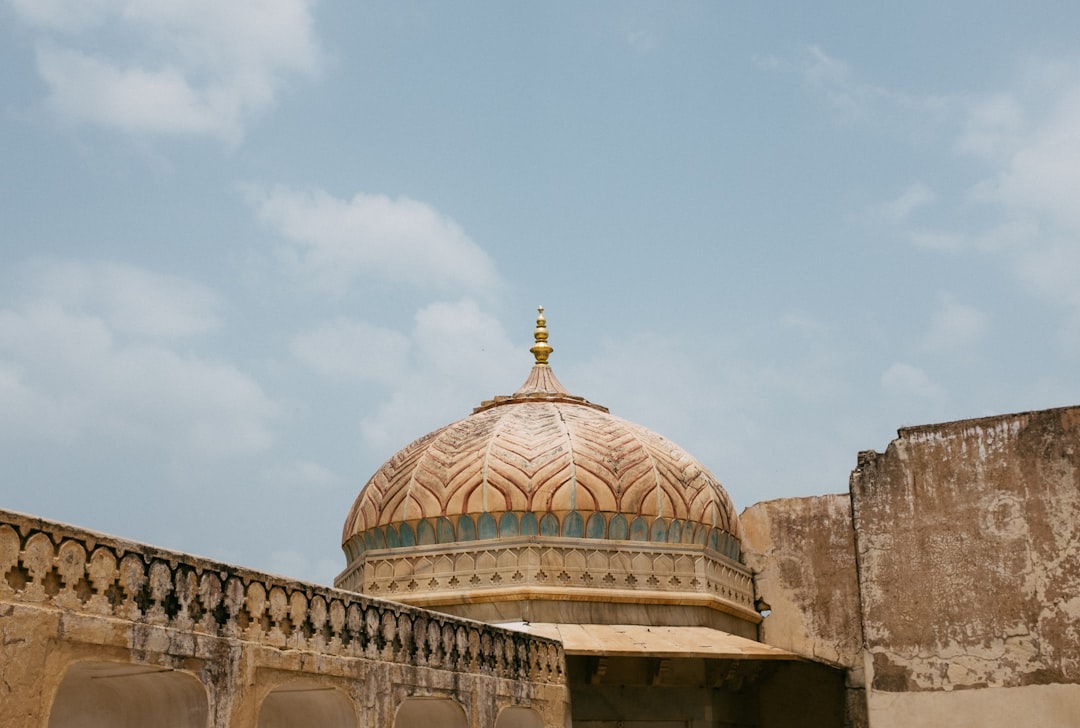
1043, 174
1021, 209
908, 380
76, 368
856, 100
459, 353
130, 300
353, 351
336, 242
1033, 149
991, 126
194, 68
955, 327
641, 41
915, 196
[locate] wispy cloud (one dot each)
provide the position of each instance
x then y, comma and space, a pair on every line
908, 380
336, 242
901, 207
1019, 207
83, 366
856, 100
128, 299
356, 351
193, 68
955, 327
458, 353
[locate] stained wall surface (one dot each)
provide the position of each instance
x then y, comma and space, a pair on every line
802, 553
968, 545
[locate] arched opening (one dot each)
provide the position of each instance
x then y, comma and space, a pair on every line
428, 712
518, 717
124, 695
303, 703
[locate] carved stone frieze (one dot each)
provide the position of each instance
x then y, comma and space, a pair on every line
575, 568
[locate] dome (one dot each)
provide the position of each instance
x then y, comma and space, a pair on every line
542, 492
542, 462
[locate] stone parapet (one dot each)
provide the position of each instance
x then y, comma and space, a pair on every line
52, 565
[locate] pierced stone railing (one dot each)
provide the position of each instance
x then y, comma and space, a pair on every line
55, 565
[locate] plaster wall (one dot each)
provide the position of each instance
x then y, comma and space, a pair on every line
968, 547
1032, 705
802, 553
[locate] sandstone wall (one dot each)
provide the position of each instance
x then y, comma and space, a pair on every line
968, 546
802, 553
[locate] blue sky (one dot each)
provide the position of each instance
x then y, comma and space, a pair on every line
251, 249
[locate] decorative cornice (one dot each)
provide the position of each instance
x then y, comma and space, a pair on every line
558, 569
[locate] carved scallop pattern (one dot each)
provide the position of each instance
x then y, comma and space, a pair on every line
541, 457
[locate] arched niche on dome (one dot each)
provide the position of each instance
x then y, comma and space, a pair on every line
425, 533
466, 529
529, 524
486, 528
658, 532
429, 712
574, 525
549, 525
618, 529
518, 717
407, 535
303, 703
125, 695
444, 530
674, 534
639, 529
595, 526
508, 525
392, 540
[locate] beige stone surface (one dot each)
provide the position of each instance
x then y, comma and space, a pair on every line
633, 640
561, 569
968, 540
802, 553
1045, 706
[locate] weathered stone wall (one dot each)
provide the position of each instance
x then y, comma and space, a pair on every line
73, 598
802, 553
968, 544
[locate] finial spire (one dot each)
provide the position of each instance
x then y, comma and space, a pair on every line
541, 349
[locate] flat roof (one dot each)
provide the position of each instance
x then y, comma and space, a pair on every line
635, 640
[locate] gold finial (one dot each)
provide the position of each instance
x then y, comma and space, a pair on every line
541, 349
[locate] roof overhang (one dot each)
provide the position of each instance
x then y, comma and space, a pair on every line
634, 640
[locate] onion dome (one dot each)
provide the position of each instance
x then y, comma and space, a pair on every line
538, 466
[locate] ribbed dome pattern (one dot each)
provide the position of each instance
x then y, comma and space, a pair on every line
542, 457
